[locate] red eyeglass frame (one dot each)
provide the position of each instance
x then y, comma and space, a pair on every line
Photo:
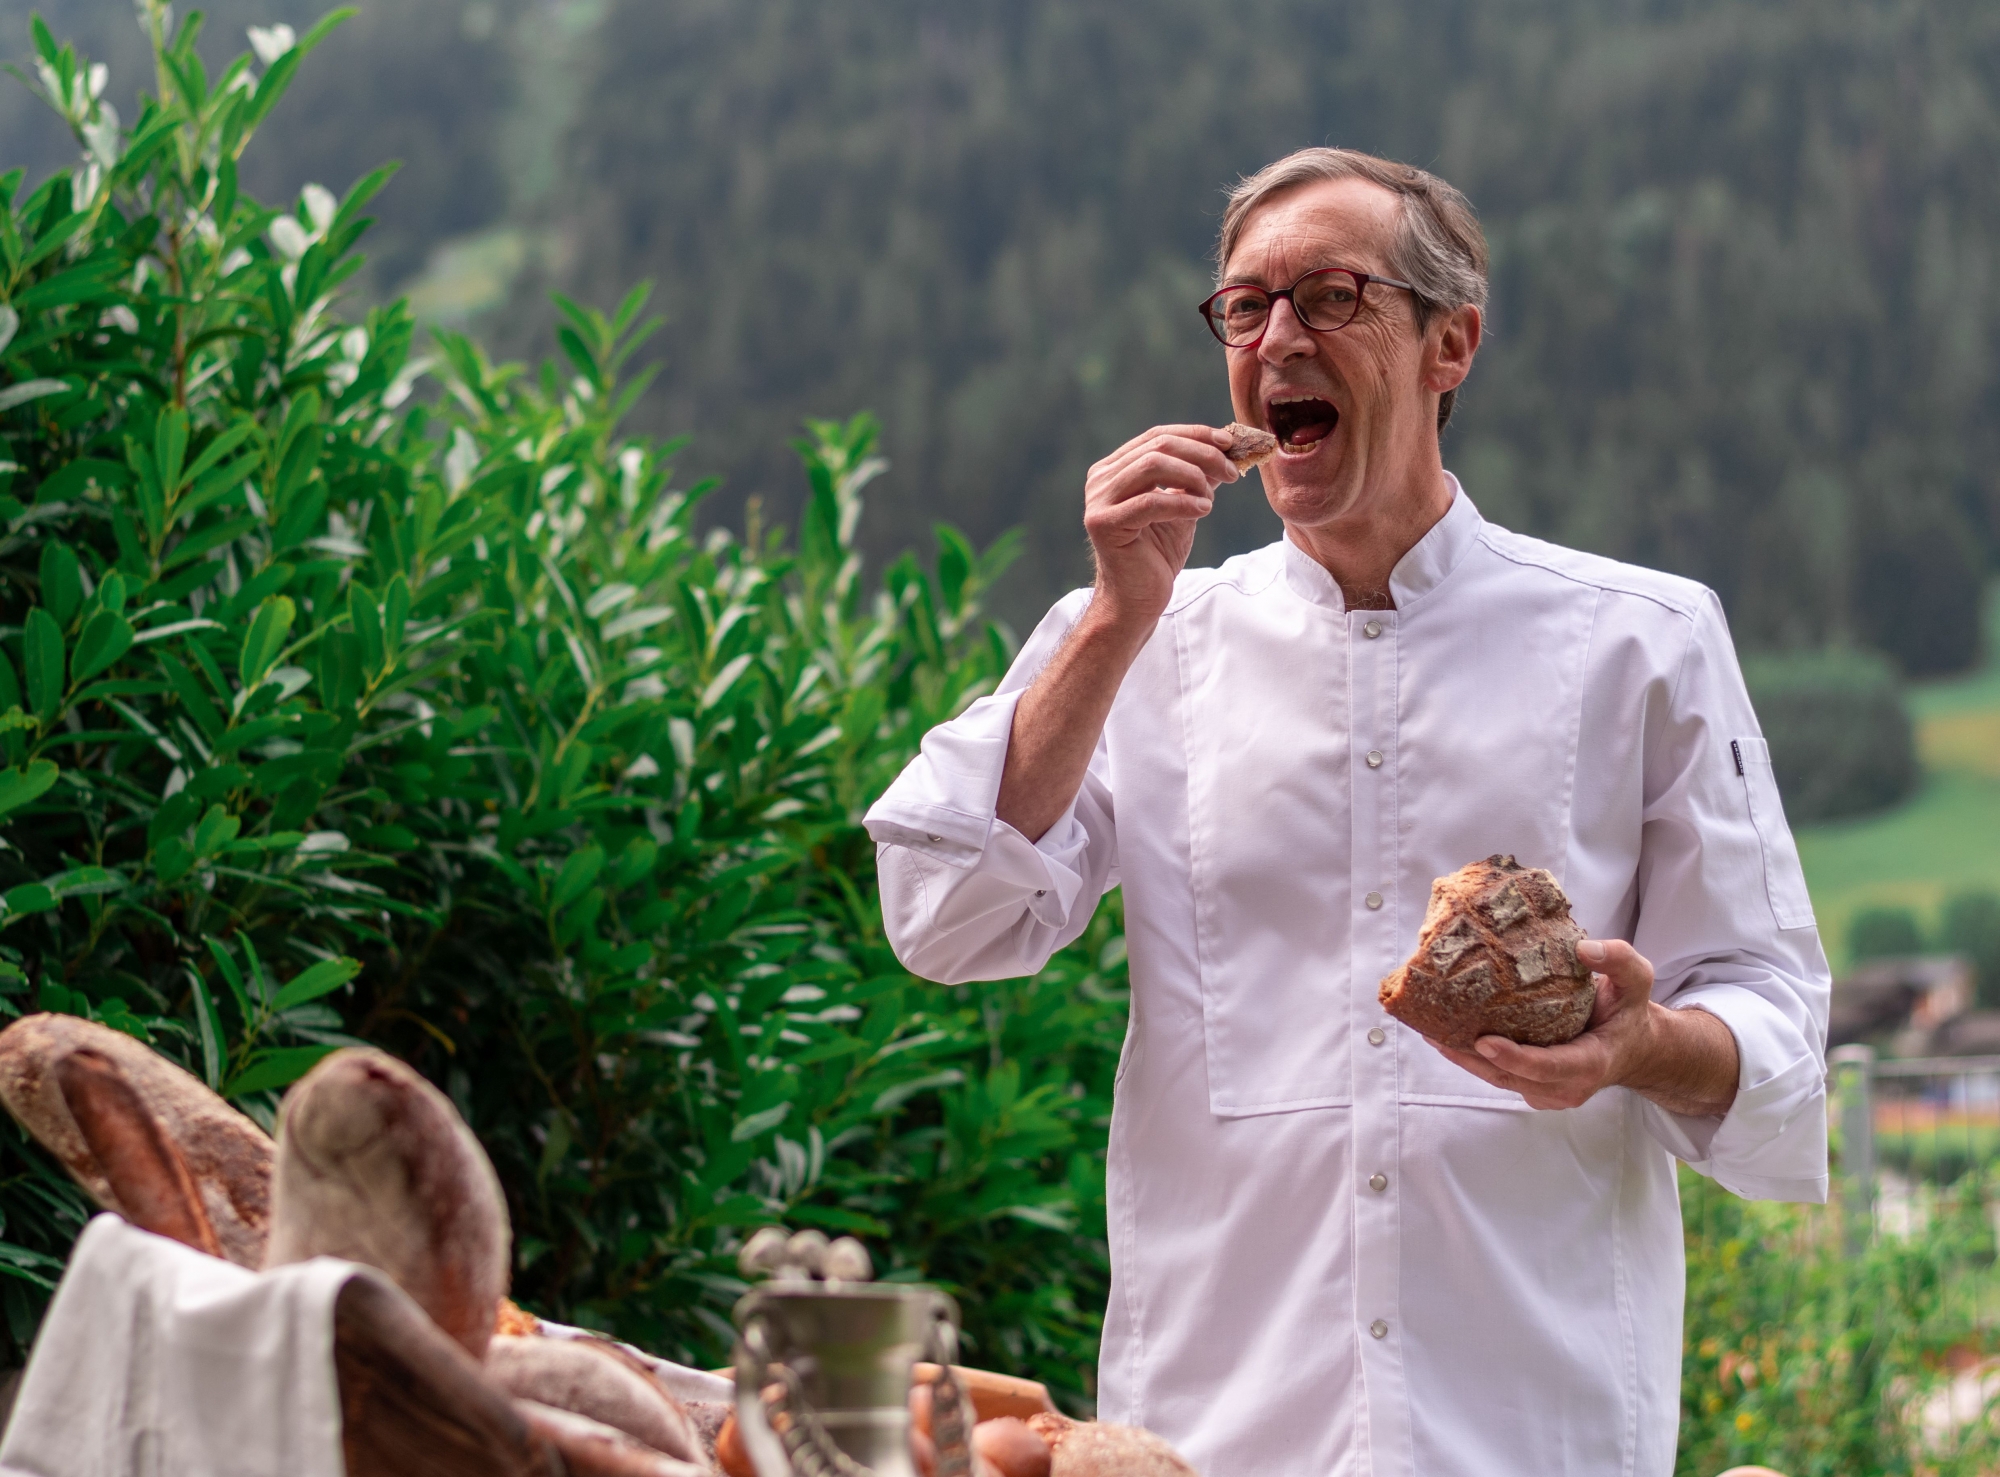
1361, 280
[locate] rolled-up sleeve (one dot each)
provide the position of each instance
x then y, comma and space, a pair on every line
1724, 916
965, 896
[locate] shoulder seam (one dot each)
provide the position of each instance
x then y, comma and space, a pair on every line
1685, 612
1208, 587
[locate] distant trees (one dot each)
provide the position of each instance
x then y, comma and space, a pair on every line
1744, 304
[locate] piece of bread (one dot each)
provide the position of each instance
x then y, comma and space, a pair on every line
595, 1378
375, 1165
1496, 957
227, 1157
992, 1395
592, 1449
1094, 1449
1008, 1447
1248, 446
144, 1170
413, 1403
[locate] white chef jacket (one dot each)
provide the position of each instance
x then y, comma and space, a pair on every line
1333, 1251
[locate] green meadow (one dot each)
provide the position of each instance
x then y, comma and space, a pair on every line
1946, 838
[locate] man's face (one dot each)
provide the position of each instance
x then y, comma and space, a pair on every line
1350, 408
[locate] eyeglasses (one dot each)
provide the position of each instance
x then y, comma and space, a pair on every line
1326, 300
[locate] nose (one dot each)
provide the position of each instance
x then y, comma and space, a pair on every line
1285, 337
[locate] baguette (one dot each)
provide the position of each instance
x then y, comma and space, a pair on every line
597, 1379
375, 1165
227, 1157
590, 1448
146, 1173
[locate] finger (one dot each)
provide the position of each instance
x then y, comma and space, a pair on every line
1154, 470
1196, 443
1146, 510
1626, 968
1547, 1064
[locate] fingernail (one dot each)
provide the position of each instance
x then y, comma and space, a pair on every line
1485, 1048
1590, 951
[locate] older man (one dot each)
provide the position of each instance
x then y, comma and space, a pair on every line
1337, 1248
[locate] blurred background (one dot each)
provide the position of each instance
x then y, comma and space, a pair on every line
1746, 287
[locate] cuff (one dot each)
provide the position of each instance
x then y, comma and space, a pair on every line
942, 804
1771, 1145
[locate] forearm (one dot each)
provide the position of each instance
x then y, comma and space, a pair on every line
1060, 717
1691, 1066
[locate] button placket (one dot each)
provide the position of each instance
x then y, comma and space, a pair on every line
1373, 875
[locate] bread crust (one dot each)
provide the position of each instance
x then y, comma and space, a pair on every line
375, 1165
227, 1156
1496, 957
1096, 1449
596, 1379
1248, 446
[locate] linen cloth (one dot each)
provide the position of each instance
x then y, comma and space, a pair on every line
157, 1361
1278, 783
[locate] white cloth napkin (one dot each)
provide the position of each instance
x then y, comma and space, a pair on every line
158, 1361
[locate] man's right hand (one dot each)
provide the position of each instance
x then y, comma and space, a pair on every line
1140, 507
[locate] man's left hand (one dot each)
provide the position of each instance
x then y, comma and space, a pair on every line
1684, 1060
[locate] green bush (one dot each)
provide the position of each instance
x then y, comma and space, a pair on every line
1815, 1363
1841, 742
1884, 933
334, 711
1971, 926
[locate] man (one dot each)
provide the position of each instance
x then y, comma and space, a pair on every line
1337, 1248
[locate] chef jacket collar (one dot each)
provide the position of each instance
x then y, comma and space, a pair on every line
1416, 574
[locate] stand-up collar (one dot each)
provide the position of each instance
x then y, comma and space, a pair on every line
1416, 574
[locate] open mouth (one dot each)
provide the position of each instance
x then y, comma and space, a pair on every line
1302, 423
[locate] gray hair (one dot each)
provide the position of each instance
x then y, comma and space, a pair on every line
1439, 249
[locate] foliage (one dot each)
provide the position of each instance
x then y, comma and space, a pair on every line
1883, 933
334, 711
1817, 1364
1841, 742
1971, 926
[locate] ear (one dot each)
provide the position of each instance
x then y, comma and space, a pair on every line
1449, 347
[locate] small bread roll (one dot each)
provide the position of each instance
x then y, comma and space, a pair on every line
1248, 446
593, 1378
592, 1449
1008, 1447
227, 1157
1093, 1449
375, 1165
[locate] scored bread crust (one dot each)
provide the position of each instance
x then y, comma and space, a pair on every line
1248, 446
1496, 957
228, 1156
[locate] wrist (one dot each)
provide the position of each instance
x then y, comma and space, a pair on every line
1114, 621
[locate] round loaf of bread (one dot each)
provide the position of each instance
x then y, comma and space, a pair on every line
1496, 957
1096, 1449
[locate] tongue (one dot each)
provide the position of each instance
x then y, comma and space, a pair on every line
1310, 429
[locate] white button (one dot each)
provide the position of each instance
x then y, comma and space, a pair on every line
1378, 1182
937, 838
1374, 901
1374, 758
1371, 631
1376, 1036
1379, 1329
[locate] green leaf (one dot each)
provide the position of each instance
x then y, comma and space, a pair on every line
84, 881
62, 581
322, 979
42, 654
758, 1123
367, 625
217, 829
18, 787
577, 874
266, 638
105, 638
231, 975
17, 395
277, 1068
209, 1019
32, 897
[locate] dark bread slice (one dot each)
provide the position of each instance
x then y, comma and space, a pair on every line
1496, 957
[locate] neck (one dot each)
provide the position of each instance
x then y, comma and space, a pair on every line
1362, 547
